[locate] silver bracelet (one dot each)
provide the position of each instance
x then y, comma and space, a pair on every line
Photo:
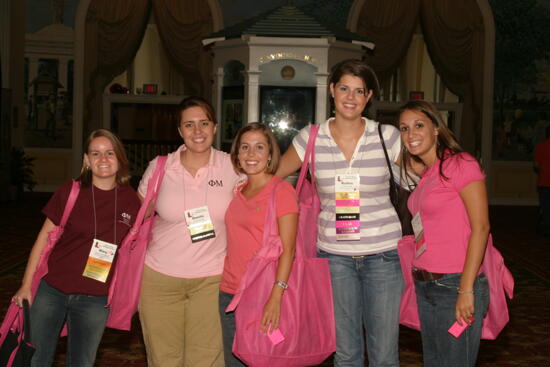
464, 292
281, 284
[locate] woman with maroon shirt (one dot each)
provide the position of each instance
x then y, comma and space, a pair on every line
72, 291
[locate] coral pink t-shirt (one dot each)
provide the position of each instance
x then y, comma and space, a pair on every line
444, 218
244, 220
171, 251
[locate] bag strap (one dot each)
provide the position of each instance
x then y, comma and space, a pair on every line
309, 159
271, 227
69, 205
26, 327
153, 187
393, 186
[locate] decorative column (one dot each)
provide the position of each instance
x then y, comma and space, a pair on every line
252, 96
62, 73
33, 70
321, 97
217, 99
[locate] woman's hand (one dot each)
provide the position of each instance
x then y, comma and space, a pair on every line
271, 314
464, 309
23, 293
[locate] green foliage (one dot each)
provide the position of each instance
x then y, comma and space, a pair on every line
22, 175
522, 37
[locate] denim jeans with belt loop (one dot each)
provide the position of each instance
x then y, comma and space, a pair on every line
367, 293
436, 308
85, 315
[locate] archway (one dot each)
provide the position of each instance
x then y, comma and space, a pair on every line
79, 92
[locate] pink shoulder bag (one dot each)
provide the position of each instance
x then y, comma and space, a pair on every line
501, 284
126, 283
11, 319
307, 313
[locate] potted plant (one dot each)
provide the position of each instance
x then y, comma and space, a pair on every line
21, 172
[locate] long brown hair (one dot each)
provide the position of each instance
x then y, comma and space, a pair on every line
122, 175
274, 151
447, 144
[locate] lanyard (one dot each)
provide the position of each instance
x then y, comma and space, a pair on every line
95, 218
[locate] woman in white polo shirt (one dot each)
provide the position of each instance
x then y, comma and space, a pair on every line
358, 226
184, 261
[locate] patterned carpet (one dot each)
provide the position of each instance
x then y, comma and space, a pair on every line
524, 342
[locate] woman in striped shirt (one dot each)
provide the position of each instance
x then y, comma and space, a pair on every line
358, 226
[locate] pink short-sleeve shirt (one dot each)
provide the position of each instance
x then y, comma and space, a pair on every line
170, 250
245, 228
444, 218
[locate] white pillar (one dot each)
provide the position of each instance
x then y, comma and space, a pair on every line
5, 42
252, 96
62, 73
488, 82
217, 99
33, 71
321, 97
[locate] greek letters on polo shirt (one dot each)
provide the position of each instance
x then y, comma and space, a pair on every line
171, 250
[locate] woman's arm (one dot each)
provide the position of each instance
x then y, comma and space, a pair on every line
290, 162
41, 240
288, 225
474, 196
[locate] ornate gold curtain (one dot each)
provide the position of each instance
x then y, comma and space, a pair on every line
114, 31
182, 25
454, 34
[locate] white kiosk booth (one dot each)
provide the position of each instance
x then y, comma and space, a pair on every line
274, 68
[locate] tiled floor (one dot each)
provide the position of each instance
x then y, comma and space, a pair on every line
524, 342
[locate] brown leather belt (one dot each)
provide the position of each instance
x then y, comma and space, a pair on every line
423, 275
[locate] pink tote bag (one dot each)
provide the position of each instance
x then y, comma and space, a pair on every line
501, 284
10, 320
307, 313
126, 283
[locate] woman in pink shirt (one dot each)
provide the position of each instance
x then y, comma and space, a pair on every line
179, 296
450, 208
255, 153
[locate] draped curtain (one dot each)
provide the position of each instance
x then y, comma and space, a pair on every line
182, 25
454, 35
114, 31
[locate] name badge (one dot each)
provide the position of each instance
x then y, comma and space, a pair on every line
100, 260
199, 224
418, 234
348, 207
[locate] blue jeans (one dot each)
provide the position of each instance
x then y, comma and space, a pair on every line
367, 292
85, 316
228, 331
436, 308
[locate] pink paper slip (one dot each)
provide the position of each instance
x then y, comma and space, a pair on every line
276, 336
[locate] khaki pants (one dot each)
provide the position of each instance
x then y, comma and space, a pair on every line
180, 320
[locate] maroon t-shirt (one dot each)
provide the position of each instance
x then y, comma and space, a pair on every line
70, 254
